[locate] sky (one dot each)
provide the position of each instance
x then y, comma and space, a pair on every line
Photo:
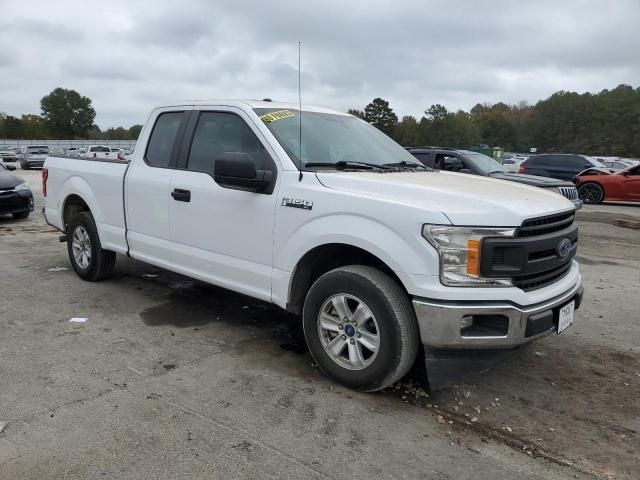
130, 55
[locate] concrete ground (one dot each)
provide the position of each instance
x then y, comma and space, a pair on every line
169, 378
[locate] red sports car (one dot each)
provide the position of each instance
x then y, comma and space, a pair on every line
595, 186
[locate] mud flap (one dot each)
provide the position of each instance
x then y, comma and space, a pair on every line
445, 366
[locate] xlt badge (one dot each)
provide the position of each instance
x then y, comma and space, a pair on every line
297, 203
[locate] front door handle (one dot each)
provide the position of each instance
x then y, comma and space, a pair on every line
180, 195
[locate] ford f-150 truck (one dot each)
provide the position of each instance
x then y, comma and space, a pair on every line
323, 215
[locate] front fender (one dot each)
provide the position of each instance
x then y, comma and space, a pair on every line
408, 254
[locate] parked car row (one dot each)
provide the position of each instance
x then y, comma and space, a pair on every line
465, 161
596, 181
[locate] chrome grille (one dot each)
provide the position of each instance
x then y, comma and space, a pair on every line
569, 192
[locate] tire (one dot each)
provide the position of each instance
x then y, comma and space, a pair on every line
591, 193
19, 216
24, 166
90, 261
391, 316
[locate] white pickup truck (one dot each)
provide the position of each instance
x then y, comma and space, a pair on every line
321, 214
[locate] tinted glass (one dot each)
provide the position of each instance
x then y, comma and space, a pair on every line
217, 133
100, 149
575, 162
163, 139
425, 158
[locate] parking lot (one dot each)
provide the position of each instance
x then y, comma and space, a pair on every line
171, 378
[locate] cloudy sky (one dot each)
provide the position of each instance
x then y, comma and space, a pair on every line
130, 55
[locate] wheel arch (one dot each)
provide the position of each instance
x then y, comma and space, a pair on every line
324, 258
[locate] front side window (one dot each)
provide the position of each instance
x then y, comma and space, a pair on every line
163, 139
220, 132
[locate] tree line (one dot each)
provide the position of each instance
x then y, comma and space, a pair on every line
605, 123
65, 114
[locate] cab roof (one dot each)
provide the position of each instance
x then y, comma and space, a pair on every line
253, 104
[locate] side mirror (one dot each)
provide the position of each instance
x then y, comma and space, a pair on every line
238, 170
11, 168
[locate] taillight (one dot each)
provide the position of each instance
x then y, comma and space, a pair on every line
45, 177
521, 169
94, 155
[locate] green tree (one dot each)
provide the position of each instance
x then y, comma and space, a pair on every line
356, 113
379, 114
134, 132
67, 113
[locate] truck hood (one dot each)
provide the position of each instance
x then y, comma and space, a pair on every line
464, 199
535, 180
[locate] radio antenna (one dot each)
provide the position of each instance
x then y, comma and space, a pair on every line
300, 110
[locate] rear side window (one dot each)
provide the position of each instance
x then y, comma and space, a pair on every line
218, 133
163, 139
575, 161
99, 149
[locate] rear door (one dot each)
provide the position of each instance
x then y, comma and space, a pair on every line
221, 235
148, 188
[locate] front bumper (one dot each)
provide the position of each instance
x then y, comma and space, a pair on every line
16, 202
504, 325
451, 354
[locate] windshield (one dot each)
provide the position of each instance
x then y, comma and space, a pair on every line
484, 163
331, 138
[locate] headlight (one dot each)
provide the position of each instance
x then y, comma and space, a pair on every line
459, 250
22, 186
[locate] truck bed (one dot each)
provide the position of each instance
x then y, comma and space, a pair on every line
100, 181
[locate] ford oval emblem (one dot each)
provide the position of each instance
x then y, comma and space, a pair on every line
564, 248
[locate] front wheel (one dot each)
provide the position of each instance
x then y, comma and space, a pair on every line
87, 257
590, 193
21, 215
360, 327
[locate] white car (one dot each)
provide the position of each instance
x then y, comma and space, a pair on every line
99, 151
512, 164
377, 254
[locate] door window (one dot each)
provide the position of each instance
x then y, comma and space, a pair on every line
425, 158
160, 150
220, 132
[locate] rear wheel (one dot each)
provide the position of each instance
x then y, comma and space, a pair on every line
87, 257
24, 166
20, 215
360, 327
591, 193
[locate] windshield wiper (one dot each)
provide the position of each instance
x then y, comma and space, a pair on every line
404, 164
341, 165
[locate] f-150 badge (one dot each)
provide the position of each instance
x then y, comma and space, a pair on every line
297, 203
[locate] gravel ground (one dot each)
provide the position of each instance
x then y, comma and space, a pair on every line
169, 377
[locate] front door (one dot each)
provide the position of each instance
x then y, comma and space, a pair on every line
222, 235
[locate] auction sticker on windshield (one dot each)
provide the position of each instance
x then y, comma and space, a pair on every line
565, 317
279, 115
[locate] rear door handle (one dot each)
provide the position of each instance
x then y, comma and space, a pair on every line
180, 195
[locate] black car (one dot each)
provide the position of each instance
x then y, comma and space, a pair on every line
465, 161
562, 166
15, 195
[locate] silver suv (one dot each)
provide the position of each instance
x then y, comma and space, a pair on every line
33, 156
